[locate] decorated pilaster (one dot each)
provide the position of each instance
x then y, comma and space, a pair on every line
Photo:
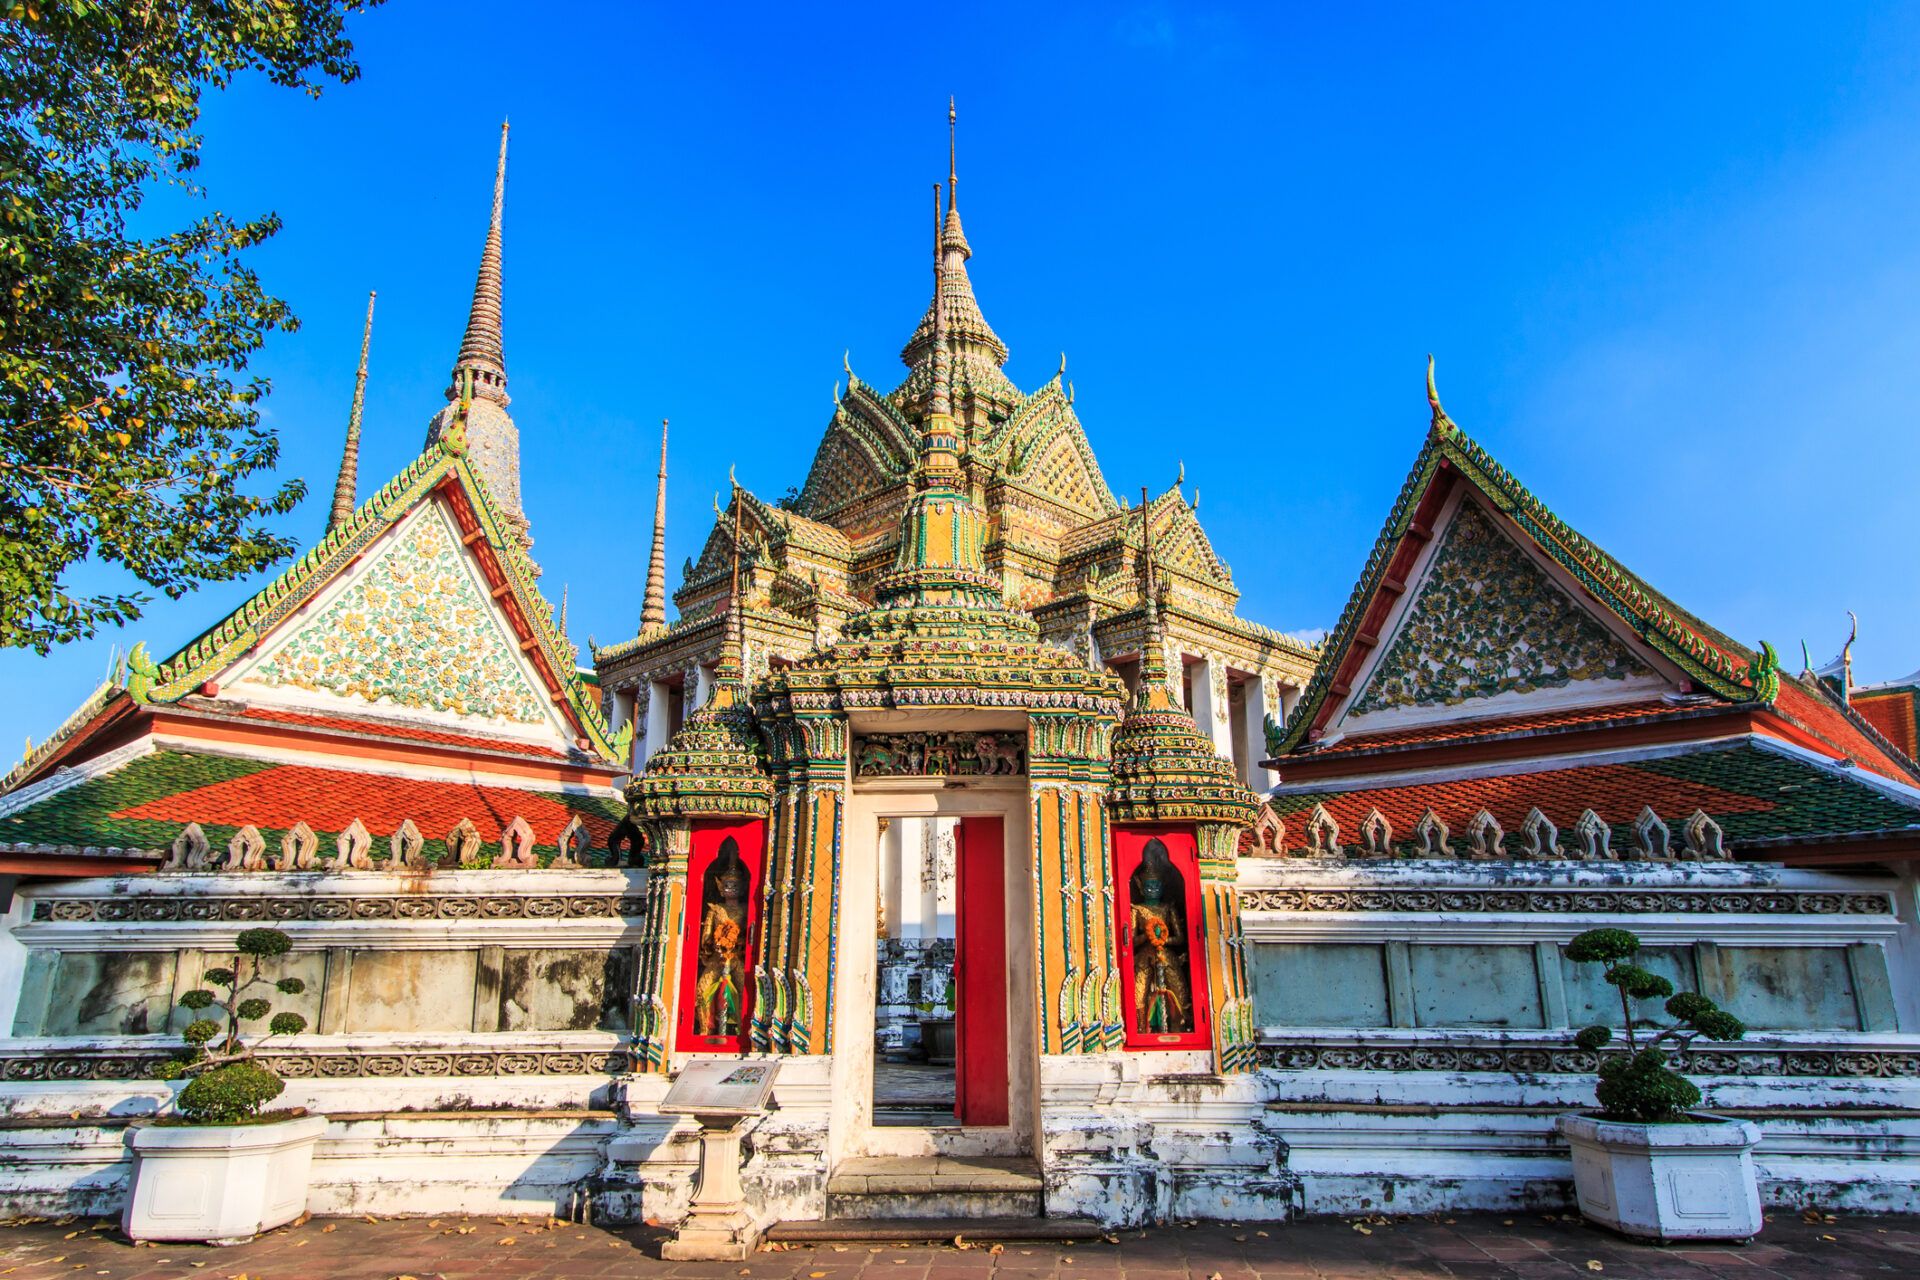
710, 772
1167, 776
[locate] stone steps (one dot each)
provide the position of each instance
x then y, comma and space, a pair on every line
935, 1188
935, 1230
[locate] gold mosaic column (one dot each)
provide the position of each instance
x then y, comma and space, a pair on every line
1078, 974
656, 1007
1233, 1030
803, 887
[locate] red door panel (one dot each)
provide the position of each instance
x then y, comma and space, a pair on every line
717, 947
1163, 952
980, 972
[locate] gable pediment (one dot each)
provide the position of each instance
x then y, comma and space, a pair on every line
412, 628
1487, 627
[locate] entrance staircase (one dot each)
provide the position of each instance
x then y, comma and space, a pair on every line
936, 1198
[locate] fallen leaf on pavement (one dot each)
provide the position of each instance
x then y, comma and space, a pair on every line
327, 1228
1594, 1265
369, 1217
508, 1240
1365, 1231
999, 1248
958, 1243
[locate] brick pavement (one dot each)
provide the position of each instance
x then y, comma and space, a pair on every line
1480, 1247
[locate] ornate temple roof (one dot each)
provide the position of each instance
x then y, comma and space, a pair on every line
1163, 769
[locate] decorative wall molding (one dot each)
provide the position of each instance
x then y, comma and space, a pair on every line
57, 1065
412, 906
939, 755
1559, 1057
1578, 901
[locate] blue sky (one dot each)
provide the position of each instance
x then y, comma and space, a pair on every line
1667, 258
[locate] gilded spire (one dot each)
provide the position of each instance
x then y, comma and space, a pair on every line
482, 348
731, 668
653, 613
1152, 694
346, 487
974, 348
953, 167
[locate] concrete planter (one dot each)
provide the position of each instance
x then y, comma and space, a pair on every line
1666, 1181
223, 1184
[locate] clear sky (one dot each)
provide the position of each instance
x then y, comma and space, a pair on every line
1667, 256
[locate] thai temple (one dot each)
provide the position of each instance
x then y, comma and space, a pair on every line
955, 790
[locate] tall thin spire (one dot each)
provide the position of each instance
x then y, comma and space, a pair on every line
346, 488
953, 167
1153, 647
653, 613
483, 347
731, 668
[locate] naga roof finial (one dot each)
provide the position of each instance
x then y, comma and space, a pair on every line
346, 487
1846, 661
1433, 397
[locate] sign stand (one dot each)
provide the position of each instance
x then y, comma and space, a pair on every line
722, 1095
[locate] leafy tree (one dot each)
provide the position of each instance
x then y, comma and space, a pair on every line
1638, 1086
127, 426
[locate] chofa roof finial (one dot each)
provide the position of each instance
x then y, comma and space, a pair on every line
1433, 397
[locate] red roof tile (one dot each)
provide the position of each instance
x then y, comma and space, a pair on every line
1833, 726
1892, 714
330, 799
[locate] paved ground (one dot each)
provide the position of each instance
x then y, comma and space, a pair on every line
1524, 1246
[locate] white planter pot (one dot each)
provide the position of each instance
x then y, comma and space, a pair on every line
1666, 1181
220, 1183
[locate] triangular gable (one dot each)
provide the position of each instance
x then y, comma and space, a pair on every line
1661, 634
1487, 628
410, 628
510, 607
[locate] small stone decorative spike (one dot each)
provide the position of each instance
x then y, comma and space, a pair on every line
404, 846
247, 851
1592, 837
1704, 838
516, 846
1651, 839
1323, 833
1433, 836
1486, 836
350, 849
1541, 836
1376, 835
463, 843
296, 849
1269, 833
188, 851
574, 842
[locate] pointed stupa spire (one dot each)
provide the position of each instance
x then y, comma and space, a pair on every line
482, 347
731, 669
976, 350
346, 487
653, 612
475, 420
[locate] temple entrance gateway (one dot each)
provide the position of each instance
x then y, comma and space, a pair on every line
934, 1048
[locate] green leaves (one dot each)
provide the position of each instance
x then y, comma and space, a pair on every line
1640, 1089
1591, 1038
1602, 946
200, 1030
262, 943
219, 977
1638, 983
197, 999
129, 426
252, 1010
290, 986
287, 1024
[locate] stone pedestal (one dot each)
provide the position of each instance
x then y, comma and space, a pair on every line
718, 1227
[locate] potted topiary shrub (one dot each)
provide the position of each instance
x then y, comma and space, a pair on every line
221, 1169
1647, 1164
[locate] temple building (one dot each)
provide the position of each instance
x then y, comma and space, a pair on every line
959, 797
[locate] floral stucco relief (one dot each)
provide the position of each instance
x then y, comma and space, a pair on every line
415, 630
1488, 621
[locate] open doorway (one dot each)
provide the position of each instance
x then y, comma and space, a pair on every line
915, 996
940, 990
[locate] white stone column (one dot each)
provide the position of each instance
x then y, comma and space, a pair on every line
702, 686
945, 876
1210, 705
911, 897
1257, 779
658, 730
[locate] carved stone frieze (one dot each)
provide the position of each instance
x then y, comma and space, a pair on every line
343, 1063
931, 755
384, 907
1577, 901
1561, 1058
